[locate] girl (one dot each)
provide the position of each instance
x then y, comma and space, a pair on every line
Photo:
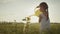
44, 18
44, 21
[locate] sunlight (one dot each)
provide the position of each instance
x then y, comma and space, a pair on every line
34, 19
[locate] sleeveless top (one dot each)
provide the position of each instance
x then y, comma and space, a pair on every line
45, 24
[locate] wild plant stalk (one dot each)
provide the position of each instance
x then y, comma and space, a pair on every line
26, 26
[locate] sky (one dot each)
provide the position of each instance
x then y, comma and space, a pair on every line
11, 10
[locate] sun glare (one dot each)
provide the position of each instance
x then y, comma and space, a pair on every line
34, 19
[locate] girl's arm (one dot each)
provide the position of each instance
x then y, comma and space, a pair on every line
40, 17
31, 15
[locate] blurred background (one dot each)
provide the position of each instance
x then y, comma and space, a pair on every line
11, 10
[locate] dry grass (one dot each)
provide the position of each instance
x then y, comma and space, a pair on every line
17, 28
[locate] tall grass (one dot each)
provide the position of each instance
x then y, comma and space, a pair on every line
17, 28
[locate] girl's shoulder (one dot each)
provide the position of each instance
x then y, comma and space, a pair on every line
38, 12
36, 9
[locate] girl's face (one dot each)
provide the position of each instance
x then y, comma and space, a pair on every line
42, 8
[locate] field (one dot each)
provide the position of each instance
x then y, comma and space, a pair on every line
17, 28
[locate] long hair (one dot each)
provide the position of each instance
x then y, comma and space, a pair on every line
44, 4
